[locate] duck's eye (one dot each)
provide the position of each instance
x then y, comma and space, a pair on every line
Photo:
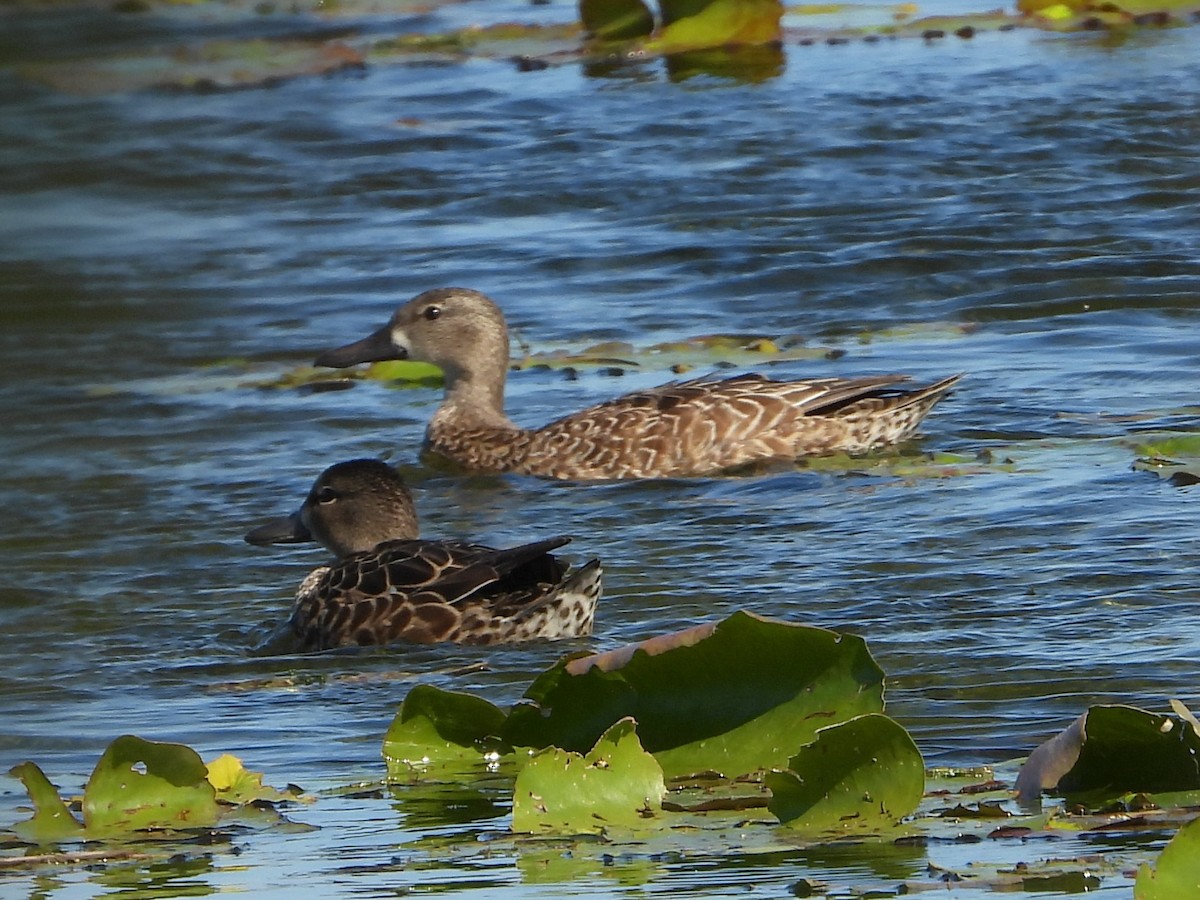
326, 495
432, 312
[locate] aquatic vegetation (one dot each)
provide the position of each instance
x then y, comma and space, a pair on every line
1104, 754
1175, 458
744, 736
858, 776
721, 37
617, 784
138, 786
434, 727
734, 697
1176, 874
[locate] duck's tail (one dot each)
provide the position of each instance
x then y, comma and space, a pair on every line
568, 610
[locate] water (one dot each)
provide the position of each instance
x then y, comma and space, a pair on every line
1020, 207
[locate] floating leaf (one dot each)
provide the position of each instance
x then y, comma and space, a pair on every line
1176, 875
235, 784
720, 23
1113, 750
734, 696
51, 821
434, 726
859, 775
139, 784
616, 784
407, 371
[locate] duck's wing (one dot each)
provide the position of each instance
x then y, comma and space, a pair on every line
419, 590
706, 425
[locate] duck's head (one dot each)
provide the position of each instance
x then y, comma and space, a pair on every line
352, 506
457, 329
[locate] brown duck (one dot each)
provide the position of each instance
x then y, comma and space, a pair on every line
386, 585
698, 427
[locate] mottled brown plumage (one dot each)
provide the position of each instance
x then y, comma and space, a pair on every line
696, 427
387, 585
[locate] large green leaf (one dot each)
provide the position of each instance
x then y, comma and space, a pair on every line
51, 821
718, 24
139, 784
859, 775
616, 784
1176, 876
434, 727
1114, 750
734, 696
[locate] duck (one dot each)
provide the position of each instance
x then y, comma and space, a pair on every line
387, 585
703, 426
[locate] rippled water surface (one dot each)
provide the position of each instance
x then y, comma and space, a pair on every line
1021, 207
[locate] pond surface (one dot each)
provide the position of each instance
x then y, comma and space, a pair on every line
1021, 207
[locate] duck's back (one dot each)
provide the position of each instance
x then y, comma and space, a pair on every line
433, 591
704, 426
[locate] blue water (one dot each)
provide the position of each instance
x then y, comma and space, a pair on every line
1020, 207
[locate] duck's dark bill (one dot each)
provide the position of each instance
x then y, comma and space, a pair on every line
284, 530
374, 347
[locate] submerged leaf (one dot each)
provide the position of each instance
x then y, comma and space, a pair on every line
616, 784
859, 775
1114, 750
51, 821
139, 784
735, 696
1176, 875
435, 726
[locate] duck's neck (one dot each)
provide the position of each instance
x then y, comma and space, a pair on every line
476, 396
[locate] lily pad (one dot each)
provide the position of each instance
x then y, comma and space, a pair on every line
434, 726
861, 775
1176, 875
719, 23
140, 784
736, 696
52, 820
1112, 750
617, 784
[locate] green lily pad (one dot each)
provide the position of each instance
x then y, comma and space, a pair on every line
140, 784
617, 784
1176, 875
861, 775
1114, 750
51, 821
717, 24
736, 696
437, 727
